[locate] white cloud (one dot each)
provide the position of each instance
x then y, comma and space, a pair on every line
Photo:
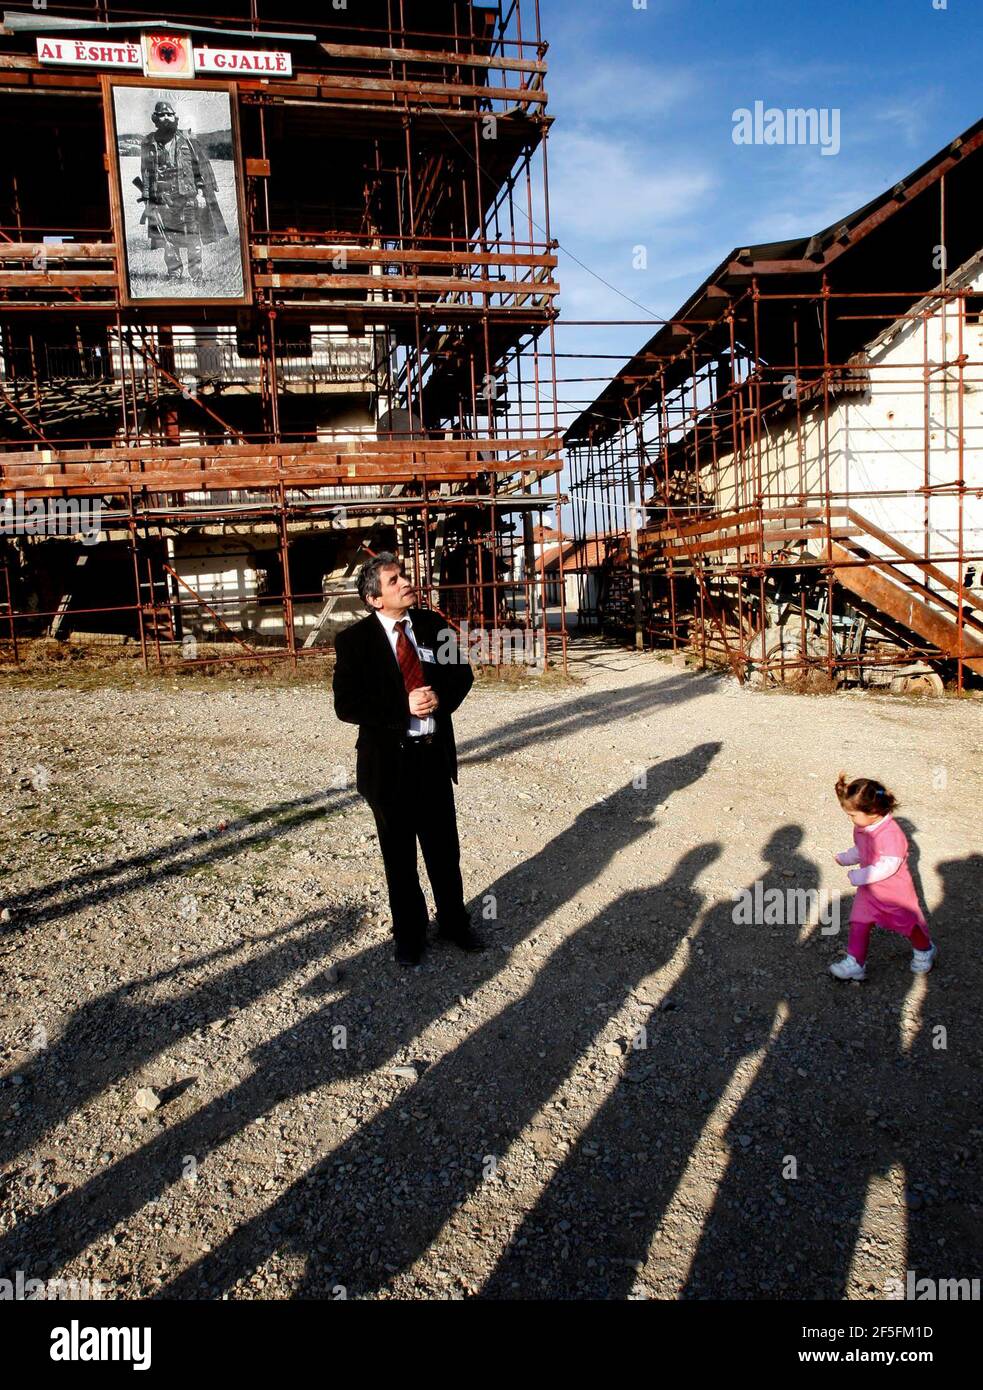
606, 190
620, 89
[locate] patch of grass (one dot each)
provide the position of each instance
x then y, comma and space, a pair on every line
49, 665
109, 813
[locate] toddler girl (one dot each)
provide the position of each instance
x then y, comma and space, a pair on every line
885, 892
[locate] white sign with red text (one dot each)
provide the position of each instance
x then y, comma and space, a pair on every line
245, 62
83, 53
255, 62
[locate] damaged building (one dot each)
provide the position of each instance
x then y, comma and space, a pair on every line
788, 476
334, 340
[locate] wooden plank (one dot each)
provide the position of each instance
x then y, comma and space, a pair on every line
904, 552
317, 87
342, 450
731, 519
869, 584
57, 279
365, 255
436, 312
341, 87
432, 284
753, 539
60, 251
49, 475
258, 479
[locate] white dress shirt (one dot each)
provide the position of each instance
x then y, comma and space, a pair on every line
416, 726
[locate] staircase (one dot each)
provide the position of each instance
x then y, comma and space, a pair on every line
906, 600
922, 608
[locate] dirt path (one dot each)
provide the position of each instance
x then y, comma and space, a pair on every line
629, 1094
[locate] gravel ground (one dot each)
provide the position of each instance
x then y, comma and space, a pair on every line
217, 1083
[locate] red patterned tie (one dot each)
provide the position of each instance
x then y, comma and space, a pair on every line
409, 662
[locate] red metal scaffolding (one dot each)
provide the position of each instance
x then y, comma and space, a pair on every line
400, 252
788, 478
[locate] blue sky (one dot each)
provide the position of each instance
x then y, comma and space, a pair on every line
641, 153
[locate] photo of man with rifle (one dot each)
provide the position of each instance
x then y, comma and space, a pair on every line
179, 189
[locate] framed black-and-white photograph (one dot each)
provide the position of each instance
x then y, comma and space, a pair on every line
176, 188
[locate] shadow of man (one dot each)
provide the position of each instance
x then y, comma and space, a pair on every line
302, 1059
35, 906
114, 1035
105, 1042
592, 1233
592, 711
392, 1186
173, 859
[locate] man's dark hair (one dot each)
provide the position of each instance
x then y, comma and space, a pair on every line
368, 583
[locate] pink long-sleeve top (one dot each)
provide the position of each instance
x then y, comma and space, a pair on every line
885, 890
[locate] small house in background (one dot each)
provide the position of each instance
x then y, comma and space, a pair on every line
575, 573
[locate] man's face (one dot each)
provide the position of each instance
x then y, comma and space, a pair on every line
165, 120
397, 594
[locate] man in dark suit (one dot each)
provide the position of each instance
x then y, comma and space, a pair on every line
400, 675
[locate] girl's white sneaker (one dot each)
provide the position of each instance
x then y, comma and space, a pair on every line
848, 969
922, 961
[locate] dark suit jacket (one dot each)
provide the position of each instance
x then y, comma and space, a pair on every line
369, 692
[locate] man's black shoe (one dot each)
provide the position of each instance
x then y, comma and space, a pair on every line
405, 955
465, 937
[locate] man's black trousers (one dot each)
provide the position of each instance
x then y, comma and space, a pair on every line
418, 804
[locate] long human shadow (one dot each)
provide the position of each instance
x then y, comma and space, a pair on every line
868, 1104
184, 854
178, 856
397, 1191
302, 1059
585, 712
591, 1230
82, 1062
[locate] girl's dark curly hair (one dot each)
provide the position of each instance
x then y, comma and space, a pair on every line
866, 795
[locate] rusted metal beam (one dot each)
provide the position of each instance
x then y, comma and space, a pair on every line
442, 57
211, 611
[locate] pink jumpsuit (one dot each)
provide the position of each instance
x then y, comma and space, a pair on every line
890, 902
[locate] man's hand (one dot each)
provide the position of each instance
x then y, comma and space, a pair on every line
423, 702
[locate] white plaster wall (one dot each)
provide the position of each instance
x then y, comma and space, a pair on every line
877, 443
